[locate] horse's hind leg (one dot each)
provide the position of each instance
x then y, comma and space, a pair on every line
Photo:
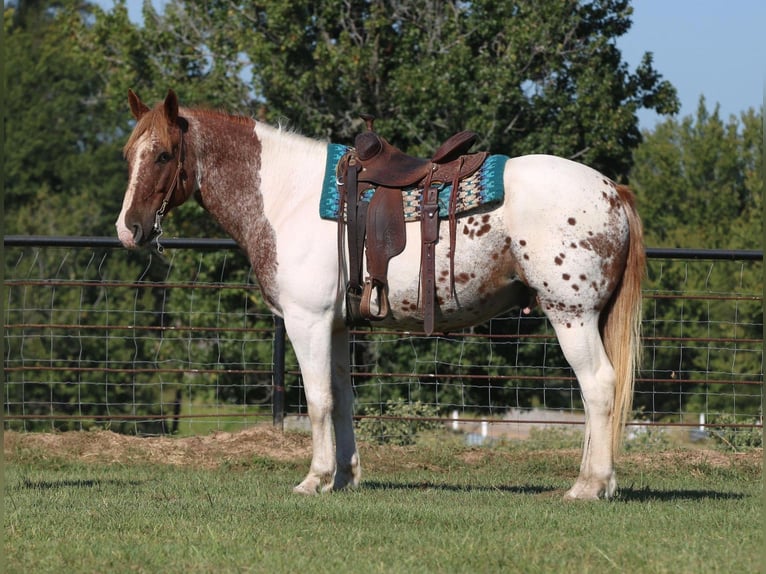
348, 471
581, 343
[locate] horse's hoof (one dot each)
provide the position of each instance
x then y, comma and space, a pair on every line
349, 477
305, 490
592, 489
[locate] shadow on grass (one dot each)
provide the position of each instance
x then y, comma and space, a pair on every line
645, 494
629, 494
27, 484
428, 485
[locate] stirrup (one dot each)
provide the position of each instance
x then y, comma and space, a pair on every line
365, 307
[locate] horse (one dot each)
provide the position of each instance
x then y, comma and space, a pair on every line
563, 232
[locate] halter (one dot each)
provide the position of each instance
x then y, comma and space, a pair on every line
175, 183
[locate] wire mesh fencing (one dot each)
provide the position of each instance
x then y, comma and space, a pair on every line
181, 343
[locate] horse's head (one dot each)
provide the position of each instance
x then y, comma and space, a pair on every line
159, 167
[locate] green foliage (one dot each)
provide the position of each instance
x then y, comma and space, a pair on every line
697, 185
697, 181
728, 436
63, 164
493, 367
528, 76
407, 420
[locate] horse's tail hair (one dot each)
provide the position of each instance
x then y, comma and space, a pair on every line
621, 320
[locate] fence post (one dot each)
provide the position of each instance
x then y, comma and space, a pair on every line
278, 382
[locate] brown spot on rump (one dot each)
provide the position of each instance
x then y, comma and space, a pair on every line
526, 257
444, 272
462, 278
522, 242
583, 277
565, 276
558, 261
571, 221
495, 256
576, 287
466, 231
485, 218
573, 245
470, 219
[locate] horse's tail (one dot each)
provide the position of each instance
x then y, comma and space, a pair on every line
621, 320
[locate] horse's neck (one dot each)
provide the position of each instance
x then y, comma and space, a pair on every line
249, 172
292, 169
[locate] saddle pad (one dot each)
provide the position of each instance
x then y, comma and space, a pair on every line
482, 188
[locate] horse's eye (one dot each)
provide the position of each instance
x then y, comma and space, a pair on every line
164, 157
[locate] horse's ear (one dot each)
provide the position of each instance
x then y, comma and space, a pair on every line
171, 107
137, 107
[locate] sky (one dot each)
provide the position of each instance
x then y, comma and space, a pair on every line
713, 48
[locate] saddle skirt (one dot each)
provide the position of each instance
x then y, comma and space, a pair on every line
484, 187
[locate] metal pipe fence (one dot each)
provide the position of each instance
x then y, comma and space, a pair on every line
180, 343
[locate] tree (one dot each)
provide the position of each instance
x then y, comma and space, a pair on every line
697, 185
63, 176
528, 76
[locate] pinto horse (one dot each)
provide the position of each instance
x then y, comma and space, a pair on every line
564, 233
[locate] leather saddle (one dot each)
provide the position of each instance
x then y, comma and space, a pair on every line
378, 223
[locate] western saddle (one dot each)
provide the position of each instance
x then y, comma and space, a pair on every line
374, 164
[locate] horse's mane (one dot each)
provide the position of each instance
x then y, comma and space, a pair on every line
155, 122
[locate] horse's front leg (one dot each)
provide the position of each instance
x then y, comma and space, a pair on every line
310, 336
323, 356
348, 470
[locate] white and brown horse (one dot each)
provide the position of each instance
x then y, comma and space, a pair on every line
563, 231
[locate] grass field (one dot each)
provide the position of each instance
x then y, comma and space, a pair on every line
101, 502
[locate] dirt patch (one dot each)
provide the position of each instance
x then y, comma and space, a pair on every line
265, 441
207, 451
694, 458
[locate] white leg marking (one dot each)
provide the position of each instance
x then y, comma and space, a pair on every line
585, 353
311, 339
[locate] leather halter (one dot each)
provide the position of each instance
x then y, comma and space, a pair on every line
176, 183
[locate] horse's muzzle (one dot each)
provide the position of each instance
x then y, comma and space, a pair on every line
134, 236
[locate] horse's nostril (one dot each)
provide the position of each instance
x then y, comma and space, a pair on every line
138, 233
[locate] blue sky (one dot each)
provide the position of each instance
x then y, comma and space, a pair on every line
713, 48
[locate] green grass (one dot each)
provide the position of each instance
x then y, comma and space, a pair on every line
435, 507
